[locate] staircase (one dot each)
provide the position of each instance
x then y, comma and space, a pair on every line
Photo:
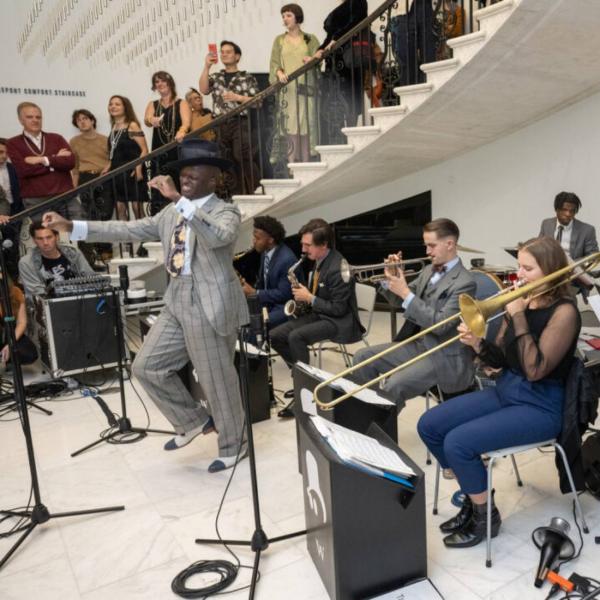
512, 71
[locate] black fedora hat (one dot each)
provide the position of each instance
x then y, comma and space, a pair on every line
196, 152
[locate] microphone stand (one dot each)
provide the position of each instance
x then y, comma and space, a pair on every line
259, 541
123, 432
39, 513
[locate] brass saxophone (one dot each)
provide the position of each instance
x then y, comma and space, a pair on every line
237, 257
293, 308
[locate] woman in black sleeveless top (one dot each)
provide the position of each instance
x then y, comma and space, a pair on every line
170, 119
534, 348
126, 142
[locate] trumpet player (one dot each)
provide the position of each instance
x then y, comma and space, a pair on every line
334, 313
430, 298
272, 286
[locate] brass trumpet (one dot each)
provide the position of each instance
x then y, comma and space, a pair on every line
370, 273
474, 313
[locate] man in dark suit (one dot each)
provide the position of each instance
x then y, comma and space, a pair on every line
577, 238
333, 313
272, 286
12, 204
429, 299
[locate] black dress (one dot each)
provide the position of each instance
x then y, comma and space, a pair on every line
122, 148
344, 82
161, 135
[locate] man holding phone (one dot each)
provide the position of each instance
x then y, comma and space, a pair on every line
229, 89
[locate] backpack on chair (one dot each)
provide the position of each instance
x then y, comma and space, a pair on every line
590, 454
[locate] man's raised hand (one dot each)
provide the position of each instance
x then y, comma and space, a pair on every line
53, 220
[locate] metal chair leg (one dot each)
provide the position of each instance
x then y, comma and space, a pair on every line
517, 474
563, 456
436, 492
488, 542
320, 356
427, 405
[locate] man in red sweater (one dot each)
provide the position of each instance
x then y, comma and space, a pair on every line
43, 162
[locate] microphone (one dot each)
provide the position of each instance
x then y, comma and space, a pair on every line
554, 543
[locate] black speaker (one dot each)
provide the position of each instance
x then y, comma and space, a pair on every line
76, 334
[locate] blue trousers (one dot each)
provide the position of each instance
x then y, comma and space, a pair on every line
515, 412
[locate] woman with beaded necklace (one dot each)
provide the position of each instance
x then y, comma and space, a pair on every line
126, 142
170, 119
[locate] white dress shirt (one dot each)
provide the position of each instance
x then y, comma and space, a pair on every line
5, 182
185, 207
565, 240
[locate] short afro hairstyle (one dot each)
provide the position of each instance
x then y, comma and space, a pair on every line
271, 226
568, 198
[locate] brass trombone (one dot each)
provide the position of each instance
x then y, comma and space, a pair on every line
474, 313
370, 273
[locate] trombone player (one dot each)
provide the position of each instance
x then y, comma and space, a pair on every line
430, 298
534, 348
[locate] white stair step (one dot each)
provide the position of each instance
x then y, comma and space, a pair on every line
491, 18
254, 198
465, 47
388, 116
309, 171
335, 154
360, 137
412, 96
280, 188
439, 72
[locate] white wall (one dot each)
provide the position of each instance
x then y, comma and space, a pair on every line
499, 193
251, 23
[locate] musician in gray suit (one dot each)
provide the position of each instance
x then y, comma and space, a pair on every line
204, 303
577, 238
430, 298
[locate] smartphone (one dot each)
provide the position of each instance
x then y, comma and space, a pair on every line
212, 49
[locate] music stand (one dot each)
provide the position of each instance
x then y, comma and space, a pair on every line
39, 513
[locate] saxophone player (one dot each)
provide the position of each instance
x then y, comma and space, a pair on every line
272, 286
334, 313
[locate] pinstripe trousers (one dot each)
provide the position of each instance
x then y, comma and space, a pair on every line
183, 333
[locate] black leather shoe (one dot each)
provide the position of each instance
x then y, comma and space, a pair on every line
460, 519
286, 413
474, 530
289, 394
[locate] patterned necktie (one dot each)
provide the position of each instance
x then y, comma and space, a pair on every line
176, 258
438, 269
559, 234
266, 268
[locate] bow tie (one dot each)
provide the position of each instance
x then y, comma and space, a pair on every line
438, 269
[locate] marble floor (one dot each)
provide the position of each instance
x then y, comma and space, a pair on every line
171, 499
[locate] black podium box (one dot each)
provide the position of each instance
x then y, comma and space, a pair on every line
365, 534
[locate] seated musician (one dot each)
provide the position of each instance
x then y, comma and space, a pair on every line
272, 284
534, 348
49, 261
332, 311
430, 298
25, 347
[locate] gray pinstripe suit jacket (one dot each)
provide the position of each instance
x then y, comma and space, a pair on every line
213, 231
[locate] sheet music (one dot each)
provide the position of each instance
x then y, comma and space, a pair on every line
352, 446
367, 396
